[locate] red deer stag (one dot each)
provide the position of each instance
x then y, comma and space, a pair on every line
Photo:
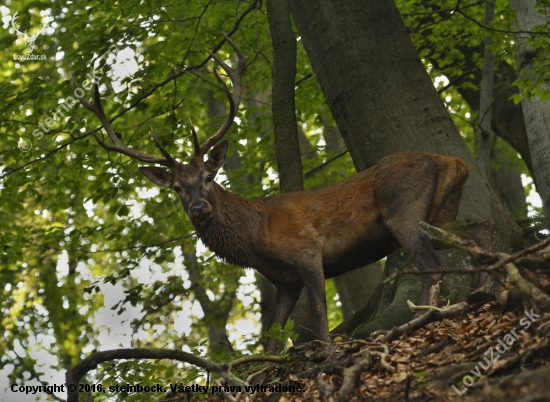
302, 238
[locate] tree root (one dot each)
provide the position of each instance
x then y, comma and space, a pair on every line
397, 313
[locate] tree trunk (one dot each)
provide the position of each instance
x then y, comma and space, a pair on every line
507, 117
486, 96
536, 113
507, 179
216, 312
355, 288
287, 144
384, 101
284, 118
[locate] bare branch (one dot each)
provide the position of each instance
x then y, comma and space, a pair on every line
74, 375
431, 316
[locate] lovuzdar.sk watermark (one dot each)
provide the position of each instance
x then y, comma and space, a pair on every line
29, 40
492, 354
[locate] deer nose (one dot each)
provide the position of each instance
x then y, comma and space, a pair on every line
198, 208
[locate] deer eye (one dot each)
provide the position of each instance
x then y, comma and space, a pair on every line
209, 178
177, 188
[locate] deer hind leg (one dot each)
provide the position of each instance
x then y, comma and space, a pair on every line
406, 206
418, 247
481, 232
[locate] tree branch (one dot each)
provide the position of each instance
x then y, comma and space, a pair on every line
431, 316
140, 98
73, 376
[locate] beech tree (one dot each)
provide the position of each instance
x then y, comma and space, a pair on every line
384, 101
536, 108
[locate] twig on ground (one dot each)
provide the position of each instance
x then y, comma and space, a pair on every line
352, 374
527, 287
432, 315
325, 389
414, 307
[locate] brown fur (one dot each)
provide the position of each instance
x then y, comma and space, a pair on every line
300, 239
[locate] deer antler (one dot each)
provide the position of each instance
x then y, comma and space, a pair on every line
32, 38
16, 27
118, 146
235, 74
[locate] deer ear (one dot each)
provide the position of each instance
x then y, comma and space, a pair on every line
157, 175
216, 159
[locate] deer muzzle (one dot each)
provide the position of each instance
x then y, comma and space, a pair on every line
200, 210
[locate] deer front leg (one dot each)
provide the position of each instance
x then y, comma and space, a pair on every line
285, 300
313, 276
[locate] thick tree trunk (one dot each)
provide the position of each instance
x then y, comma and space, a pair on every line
384, 101
536, 113
355, 288
486, 96
287, 143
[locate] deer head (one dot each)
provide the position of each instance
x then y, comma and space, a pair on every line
29, 40
193, 182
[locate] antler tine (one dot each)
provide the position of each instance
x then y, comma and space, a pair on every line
118, 146
37, 33
16, 27
235, 74
166, 154
196, 144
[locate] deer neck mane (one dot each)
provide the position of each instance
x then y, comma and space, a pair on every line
225, 233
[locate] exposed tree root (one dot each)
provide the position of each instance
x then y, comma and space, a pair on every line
408, 288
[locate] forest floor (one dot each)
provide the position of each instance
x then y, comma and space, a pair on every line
494, 346
489, 354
